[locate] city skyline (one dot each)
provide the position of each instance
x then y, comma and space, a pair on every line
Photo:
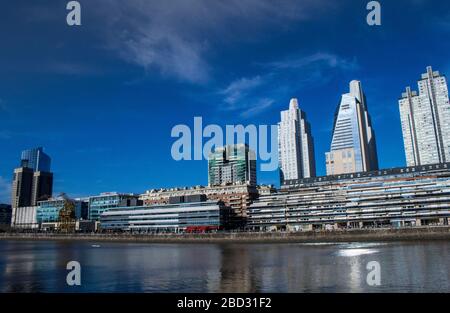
36, 160
105, 117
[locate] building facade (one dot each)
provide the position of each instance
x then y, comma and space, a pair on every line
5, 215
232, 164
353, 147
48, 210
425, 118
238, 197
24, 218
36, 159
179, 217
295, 145
413, 196
22, 187
42, 188
105, 201
32, 181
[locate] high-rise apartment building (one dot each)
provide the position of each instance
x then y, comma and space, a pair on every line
35, 159
232, 164
425, 118
295, 145
353, 147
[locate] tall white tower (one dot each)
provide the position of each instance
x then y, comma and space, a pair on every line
425, 118
295, 145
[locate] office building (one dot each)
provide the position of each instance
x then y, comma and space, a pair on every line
412, 196
232, 164
32, 181
105, 201
48, 210
176, 217
36, 159
425, 118
22, 187
353, 147
42, 187
295, 145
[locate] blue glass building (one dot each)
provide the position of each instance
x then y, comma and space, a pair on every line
36, 159
108, 200
48, 211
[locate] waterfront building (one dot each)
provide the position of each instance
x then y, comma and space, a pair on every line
412, 196
32, 181
176, 217
105, 201
36, 159
232, 164
22, 187
24, 218
48, 210
237, 196
353, 147
295, 145
5, 215
425, 118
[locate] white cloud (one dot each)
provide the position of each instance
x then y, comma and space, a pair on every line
240, 88
5, 190
175, 36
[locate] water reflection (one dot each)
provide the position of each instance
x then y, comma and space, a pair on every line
117, 267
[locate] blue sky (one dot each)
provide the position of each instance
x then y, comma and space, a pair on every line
102, 98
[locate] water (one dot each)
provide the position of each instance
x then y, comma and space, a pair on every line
33, 266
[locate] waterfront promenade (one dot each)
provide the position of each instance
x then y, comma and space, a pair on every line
360, 235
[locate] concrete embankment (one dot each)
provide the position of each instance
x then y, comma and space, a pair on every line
377, 235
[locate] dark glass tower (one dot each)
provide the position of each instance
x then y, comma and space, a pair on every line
36, 159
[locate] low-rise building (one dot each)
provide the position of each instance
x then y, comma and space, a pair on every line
399, 197
105, 201
175, 217
48, 211
238, 196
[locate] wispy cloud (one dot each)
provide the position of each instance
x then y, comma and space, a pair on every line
174, 37
240, 88
280, 79
5, 190
257, 107
318, 60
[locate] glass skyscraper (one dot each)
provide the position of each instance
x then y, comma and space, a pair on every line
36, 159
425, 118
353, 147
32, 181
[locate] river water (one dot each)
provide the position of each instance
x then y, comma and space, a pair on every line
40, 266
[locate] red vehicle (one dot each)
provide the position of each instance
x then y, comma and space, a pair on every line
200, 229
